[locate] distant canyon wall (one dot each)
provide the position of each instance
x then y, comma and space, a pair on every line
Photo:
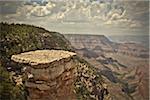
100, 44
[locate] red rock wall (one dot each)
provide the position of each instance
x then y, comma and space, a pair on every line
53, 82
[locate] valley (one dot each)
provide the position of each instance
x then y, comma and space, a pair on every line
123, 65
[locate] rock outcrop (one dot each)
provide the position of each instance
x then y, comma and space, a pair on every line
60, 75
19, 38
50, 74
36, 76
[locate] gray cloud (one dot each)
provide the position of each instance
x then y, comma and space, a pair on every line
101, 15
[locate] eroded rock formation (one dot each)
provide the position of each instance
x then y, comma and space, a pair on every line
50, 74
60, 75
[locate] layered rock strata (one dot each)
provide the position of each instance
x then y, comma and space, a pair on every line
51, 74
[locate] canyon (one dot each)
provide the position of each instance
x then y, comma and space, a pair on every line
123, 65
37, 64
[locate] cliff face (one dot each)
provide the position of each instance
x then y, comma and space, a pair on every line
19, 38
89, 41
60, 75
101, 44
50, 74
122, 65
45, 74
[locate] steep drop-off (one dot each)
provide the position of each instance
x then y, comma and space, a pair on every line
123, 65
50, 74
23, 78
60, 75
18, 38
101, 44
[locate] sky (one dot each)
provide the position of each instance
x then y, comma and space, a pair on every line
107, 17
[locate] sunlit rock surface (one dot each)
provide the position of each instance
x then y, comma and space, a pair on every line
52, 71
60, 75
41, 56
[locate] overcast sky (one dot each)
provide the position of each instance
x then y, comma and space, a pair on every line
108, 17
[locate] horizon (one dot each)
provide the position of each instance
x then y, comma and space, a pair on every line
108, 17
78, 33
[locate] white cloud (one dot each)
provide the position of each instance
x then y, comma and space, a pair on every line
121, 14
36, 9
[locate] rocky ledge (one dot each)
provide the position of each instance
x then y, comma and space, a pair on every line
51, 74
60, 75
41, 56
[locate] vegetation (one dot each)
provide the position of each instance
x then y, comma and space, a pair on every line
8, 89
17, 38
88, 83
